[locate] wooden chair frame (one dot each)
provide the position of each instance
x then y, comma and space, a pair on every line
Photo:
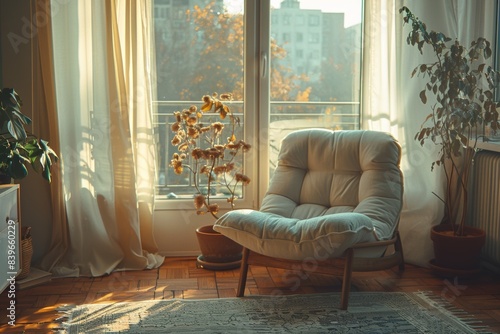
344, 266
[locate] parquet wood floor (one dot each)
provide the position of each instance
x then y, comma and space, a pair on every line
36, 307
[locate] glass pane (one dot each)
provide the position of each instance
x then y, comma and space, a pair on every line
315, 66
199, 51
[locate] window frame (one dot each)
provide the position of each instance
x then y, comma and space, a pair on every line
250, 103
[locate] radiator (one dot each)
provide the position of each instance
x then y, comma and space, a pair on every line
485, 200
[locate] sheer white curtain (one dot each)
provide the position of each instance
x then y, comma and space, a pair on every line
391, 102
103, 93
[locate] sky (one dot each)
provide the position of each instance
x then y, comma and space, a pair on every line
351, 8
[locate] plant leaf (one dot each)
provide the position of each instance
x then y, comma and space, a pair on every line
413, 73
421, 134
423, 98
10, 110
487, 53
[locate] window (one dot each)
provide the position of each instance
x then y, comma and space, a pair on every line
299, 20
286, 20
495, 137
313, 20
314, 37
286, 89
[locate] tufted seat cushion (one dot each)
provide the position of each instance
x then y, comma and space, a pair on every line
330, 190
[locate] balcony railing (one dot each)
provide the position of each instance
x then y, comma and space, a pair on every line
284, 117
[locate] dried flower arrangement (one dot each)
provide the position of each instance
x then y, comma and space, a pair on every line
211, 151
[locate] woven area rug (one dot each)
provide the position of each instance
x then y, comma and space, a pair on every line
380, 312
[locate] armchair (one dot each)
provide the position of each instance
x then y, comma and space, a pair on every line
334, 201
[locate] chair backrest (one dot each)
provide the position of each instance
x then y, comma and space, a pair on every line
322, 172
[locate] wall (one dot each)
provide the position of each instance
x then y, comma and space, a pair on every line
18, 48
174, 231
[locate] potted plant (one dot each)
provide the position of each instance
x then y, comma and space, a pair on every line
461, 85
213, 156
18, 148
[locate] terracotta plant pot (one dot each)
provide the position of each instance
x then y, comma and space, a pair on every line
217, 251
457, 252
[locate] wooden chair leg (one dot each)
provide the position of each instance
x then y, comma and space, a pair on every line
398, 247
243, 273
346, 282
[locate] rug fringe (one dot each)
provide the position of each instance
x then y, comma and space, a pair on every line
462, 315
64, 317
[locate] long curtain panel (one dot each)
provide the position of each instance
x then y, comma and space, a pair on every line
48, 120
103, 95
391, 102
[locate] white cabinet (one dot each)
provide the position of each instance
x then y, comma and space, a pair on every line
10, 230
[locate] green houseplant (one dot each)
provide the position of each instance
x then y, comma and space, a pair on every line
18, 149
212, 154
460, 86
